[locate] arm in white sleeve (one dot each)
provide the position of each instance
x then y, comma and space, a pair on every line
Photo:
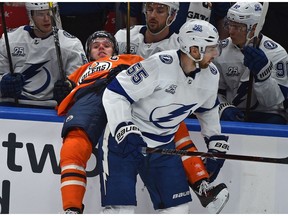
118, 109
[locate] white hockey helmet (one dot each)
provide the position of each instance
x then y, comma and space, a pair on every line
197, 33
173, 8
38, 5
247, 13
32, 6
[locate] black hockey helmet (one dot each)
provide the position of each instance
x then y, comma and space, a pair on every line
100, 34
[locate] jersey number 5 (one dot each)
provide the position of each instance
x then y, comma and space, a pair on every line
137, 73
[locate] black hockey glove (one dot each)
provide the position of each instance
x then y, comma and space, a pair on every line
62, 89
129, 141
114, 71
12, 85
258, 63
216, 144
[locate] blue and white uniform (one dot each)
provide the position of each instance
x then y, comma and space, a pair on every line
36, 60
139, 46
156, 102
268, 95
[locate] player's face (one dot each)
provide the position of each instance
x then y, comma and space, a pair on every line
42, 21
237, 32
156, 16
101, 47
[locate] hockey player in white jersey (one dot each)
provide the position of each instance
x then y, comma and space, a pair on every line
266, 60
34, 59
145, 105
153, 37
149, 39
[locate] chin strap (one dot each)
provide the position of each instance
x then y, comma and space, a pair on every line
192, 58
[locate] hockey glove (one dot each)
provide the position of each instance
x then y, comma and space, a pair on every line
256, 60
232, 113
129, 140
12, 85
216, 144
62, 89
114, 71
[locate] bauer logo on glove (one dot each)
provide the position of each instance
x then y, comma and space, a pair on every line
221, 145
125, 130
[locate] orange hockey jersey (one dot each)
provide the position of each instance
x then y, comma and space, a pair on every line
87, 74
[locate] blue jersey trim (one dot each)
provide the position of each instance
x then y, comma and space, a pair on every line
158, 138
117, 88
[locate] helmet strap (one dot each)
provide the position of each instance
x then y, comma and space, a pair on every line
167, 25
192, 58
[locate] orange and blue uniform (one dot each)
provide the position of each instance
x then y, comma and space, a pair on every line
84, 123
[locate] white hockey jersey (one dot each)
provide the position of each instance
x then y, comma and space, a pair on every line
36, 59
139, 46
267, 96
157, 101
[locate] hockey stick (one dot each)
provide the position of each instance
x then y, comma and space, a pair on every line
146, 150
4, 27
128, 28
56, 40
256, 34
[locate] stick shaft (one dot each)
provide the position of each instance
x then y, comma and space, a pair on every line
128, 28
4, 27
57, 43
146, 150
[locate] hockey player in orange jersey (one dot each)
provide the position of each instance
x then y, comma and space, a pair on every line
84, 124
85, 115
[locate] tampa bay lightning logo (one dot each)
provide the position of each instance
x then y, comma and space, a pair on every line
177, 113
213, 70
34, 71
166, 59
224, 43
197, 28
257, 7
269, 44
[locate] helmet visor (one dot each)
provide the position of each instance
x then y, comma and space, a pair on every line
214, 51
238, 27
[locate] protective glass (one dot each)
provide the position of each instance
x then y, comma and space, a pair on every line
214, 51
